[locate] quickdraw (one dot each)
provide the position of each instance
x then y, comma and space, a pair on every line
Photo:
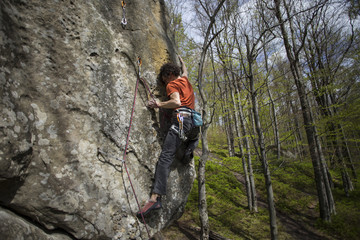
180, 119
139, 63
123, 21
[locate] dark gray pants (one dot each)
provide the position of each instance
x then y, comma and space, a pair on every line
171, 144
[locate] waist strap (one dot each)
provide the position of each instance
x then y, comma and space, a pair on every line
184, 109
184, 114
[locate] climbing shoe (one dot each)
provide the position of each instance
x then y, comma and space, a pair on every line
149, 206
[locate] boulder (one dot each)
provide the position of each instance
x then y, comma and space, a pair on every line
68, 74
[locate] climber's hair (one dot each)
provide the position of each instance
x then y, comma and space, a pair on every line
169, 68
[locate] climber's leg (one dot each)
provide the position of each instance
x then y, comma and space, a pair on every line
162, 172
172, 141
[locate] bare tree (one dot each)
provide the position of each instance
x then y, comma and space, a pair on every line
272, 105
246, 155
293, 46
324, 59
252, 39
204, 219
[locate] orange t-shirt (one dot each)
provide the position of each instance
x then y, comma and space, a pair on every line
185, 90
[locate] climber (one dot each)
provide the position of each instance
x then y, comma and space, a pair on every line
182, 100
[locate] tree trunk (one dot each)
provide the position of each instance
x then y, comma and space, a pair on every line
248, 157
347, 153
266, 170
203, 214
228, 118
227, 109
322, 78
298, 134
328, 183
272, 111
261, 143
240, 125
204, 219
323, 100
292, 54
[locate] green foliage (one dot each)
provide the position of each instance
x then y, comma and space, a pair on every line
345, 224
233, 164
292, 181
227, 202
298, 175
295, 195
216, 136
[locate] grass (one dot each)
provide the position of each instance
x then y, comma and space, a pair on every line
345, 224
295, 196
228, 214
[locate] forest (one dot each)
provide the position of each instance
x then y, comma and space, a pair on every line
277, 83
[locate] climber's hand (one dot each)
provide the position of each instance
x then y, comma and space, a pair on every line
152, 104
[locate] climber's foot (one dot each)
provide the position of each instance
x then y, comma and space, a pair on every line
149, 206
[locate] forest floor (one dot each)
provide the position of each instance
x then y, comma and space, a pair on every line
293, 224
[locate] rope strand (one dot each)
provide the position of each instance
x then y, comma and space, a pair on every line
124, 156
139, 63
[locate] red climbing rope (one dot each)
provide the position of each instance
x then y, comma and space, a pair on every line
126, 146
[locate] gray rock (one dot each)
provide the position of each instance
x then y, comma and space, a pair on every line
68, 77
14, 227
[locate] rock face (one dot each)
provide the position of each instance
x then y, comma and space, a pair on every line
68, 75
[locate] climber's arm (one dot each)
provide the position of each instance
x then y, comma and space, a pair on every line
174, 102
183, 68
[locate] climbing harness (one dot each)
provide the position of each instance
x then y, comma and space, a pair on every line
195, 116
123, 21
